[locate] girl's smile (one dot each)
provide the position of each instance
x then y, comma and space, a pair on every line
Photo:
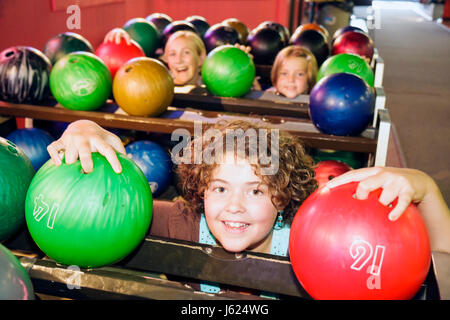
238, 208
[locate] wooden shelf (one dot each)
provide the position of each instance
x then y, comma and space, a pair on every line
184, 118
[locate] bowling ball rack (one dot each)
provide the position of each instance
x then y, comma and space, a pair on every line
160, 268
187, 118
169, 269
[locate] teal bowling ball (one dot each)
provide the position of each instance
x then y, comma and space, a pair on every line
145, 33
15, 283
16, 172
228, 71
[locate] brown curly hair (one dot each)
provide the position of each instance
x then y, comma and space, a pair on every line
289, 186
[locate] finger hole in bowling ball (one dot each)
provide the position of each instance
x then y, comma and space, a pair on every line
73, 60
9, 54
128, 69
12, 149
11, 144
331, 177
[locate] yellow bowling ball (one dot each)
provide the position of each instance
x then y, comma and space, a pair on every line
143, 87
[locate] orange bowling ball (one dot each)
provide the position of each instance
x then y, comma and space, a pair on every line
240, 27
143, 87
313, 26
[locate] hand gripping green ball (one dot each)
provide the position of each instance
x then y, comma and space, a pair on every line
88, 219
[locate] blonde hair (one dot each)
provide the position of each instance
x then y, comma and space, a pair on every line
299, 52
191, 36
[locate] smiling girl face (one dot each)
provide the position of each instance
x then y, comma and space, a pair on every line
238, 208
292, 77
183, 60
294, 71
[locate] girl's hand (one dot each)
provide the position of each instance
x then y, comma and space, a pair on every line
116, 35
83, 137
246, 49
409, 185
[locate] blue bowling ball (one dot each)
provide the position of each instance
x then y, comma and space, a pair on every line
33, 142
154, 161
55, 128
15, 283
341, 104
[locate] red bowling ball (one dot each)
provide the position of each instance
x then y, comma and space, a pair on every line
329, 169
355, 42
345, 248
116, 55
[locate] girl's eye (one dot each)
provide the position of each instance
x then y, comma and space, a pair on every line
300, 74
284, 74
256, 192
219, 189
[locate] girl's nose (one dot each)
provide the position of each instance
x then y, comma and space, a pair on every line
291, 77
178, 58
236, 203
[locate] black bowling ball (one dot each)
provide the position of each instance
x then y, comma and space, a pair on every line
65, 43
282, 30
240, 27
219, 35
175, 26
160, 20
265, 44
24, 75
200, 24
315, 41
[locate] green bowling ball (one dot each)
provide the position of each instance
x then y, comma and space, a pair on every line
88, 219
145, 33
80, 81
16, 172
349, 63
228, 71
15, 283
355, 160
